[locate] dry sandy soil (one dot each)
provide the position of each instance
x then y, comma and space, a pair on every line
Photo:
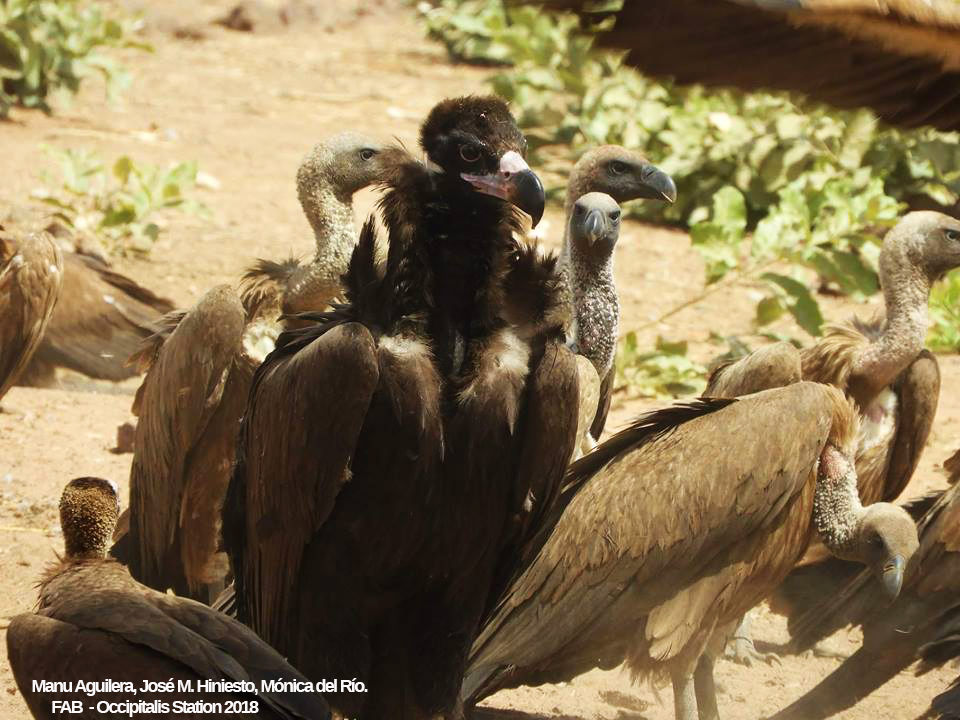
248, 106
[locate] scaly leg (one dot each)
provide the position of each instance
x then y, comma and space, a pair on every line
684, 696
705, 689
744, 652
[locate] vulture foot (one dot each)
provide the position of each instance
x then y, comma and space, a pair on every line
684, 697
820, 650
743, 652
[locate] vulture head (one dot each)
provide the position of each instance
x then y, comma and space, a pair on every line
341, 165
623, 174
595, 225
927, 240
89, 508
887, 541
476, 139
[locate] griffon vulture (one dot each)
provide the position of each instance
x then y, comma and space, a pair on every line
393, 456
31, 274
925, 611
199, 376
681, 523
96, 624
900, 58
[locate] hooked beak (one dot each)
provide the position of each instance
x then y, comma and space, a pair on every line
657, 185
594, 226
892, 577
514, 182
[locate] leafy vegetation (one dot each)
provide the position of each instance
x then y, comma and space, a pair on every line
791, 195
51, 44
664, 372
119, 206
945, 314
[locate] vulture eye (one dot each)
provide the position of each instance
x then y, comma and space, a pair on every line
469, 153
367, 153
952, 234
615, 215
578, 210
618, 168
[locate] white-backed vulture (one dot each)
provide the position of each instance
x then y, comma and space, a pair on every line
681, 523
99, 324
900, 58
199, 372
327, 179
31, 273
587, 270
882, 365
393, 456
926, 611
96, 624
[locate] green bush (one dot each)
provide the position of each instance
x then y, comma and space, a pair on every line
119, 207
51, 44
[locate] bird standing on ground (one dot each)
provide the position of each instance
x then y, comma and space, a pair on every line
676, 526
586, 267
31, 274
392, 454
198, 377
881, 365
926, 612
94, 623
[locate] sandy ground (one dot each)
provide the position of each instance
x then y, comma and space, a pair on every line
248, 106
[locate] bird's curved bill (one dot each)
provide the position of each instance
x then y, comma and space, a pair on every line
658, 185
514, 182
594, 226
892, 577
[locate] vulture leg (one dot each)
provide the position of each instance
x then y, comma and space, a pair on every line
705, 688
684, 696
743, 651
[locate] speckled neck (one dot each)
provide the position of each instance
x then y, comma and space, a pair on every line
331, 217
596, 309
837, 510
906, 293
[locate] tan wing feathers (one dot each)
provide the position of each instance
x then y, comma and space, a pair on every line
30, 283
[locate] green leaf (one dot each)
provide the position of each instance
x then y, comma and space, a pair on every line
769, 309
800, 302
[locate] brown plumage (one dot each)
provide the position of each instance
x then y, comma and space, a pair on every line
882, 366
586, 263
900, 58
30, 280
672, 536
395, 456
922, 620
189, 407
94, 623
199, 370
952, 466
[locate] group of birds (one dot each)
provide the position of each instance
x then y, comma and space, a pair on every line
384, 465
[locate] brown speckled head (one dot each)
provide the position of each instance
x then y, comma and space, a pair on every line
622, 174
340, 165
89, 508
923, 239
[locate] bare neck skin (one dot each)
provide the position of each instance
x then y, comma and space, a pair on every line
906, 293
837, 510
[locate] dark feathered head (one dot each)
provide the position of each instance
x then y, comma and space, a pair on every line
477, 139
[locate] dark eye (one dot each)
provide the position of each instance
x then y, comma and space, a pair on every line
367, 154
876, 541
615, 215
618, 168
952, 234
469, 153
578, 210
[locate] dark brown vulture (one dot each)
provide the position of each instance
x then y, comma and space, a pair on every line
676, 526
100, 323
882, 365
31, 273
96, 624
586, 265
900, 58
394, 455
926, 612
199, 371
943, 648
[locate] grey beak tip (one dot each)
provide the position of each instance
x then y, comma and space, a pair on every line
893, 578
